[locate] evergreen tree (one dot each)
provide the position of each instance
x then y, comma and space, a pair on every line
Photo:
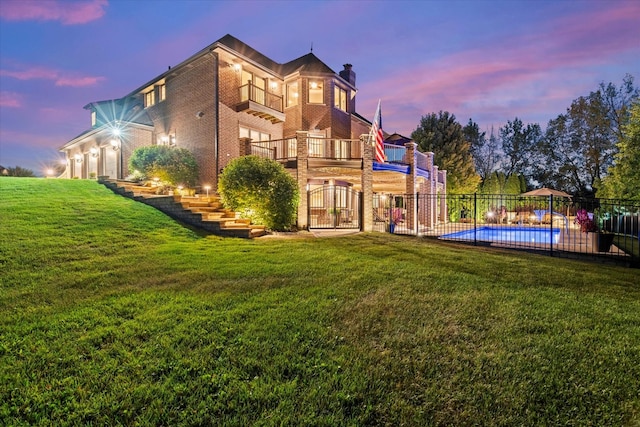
520, 145
442, 134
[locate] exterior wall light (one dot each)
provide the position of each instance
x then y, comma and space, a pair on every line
94, 152
115, 144
237, 67
78, 158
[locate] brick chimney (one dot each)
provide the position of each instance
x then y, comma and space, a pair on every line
348, 74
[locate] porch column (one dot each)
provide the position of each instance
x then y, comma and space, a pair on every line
245, 146
302, 147
443, 198
435, 195
367, 184
410, 186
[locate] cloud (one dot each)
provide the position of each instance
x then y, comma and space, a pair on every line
78, 81
60, 78
10, 99
68, 13
526, 76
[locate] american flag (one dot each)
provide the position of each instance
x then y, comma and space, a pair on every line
376, 135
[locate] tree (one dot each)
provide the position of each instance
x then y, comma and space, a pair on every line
442, 134
617, 101
520, 145
18, 171
175, 166
260, 189
579, 146
485, 152
623, 180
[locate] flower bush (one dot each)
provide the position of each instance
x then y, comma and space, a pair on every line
585, 221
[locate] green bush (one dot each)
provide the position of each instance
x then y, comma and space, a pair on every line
260, 189
173, 166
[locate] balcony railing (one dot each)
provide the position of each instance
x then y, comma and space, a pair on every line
395, 153
335, 149
319, 148
251, 92
277, 149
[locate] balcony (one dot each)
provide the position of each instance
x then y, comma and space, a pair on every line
323, 152
261, 103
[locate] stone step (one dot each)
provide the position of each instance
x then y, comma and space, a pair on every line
200, 211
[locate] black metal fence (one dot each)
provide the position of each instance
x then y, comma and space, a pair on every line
605, 229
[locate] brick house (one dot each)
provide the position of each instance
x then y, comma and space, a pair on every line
230, 100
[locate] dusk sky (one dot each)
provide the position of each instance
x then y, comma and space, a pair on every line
490, 61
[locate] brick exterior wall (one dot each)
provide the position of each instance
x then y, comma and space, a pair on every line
188, 92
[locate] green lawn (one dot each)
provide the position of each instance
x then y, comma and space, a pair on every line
113, 314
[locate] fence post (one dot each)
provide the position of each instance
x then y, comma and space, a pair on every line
550, 225
475, 219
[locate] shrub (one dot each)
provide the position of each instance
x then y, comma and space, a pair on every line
260, 189
171, 165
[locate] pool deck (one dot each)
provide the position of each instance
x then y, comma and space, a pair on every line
570, 239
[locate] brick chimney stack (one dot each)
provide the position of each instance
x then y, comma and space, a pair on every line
348, 74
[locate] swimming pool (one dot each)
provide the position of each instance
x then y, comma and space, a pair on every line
507, 234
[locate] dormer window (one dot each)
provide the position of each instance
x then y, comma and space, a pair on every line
162, 92
316, 92
340, 98
149, 98
93, 119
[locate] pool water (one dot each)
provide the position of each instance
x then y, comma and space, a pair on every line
507, 234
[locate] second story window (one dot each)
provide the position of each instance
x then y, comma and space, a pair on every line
292, 94
93, 118
316, 93
162, 93
340, 98
149, 98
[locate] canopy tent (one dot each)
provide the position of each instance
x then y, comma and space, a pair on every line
544, 191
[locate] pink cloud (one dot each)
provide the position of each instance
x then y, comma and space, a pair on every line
10, 99
68, 13
31, 73
60, 78
526, 75
78, 81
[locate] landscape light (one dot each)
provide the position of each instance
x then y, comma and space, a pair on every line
207, 188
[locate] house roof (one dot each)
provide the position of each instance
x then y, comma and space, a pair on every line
127, 109
247, 51
307, 63
397, 139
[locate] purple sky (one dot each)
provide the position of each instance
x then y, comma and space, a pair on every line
490, 61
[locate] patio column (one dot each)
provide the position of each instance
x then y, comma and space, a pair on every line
245, 146
410, 186
302, 154
367, 184
443, 198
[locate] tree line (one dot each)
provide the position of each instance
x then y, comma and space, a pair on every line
593, 149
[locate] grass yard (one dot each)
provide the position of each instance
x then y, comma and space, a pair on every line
113, 314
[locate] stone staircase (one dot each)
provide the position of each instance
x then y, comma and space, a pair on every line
200, 211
